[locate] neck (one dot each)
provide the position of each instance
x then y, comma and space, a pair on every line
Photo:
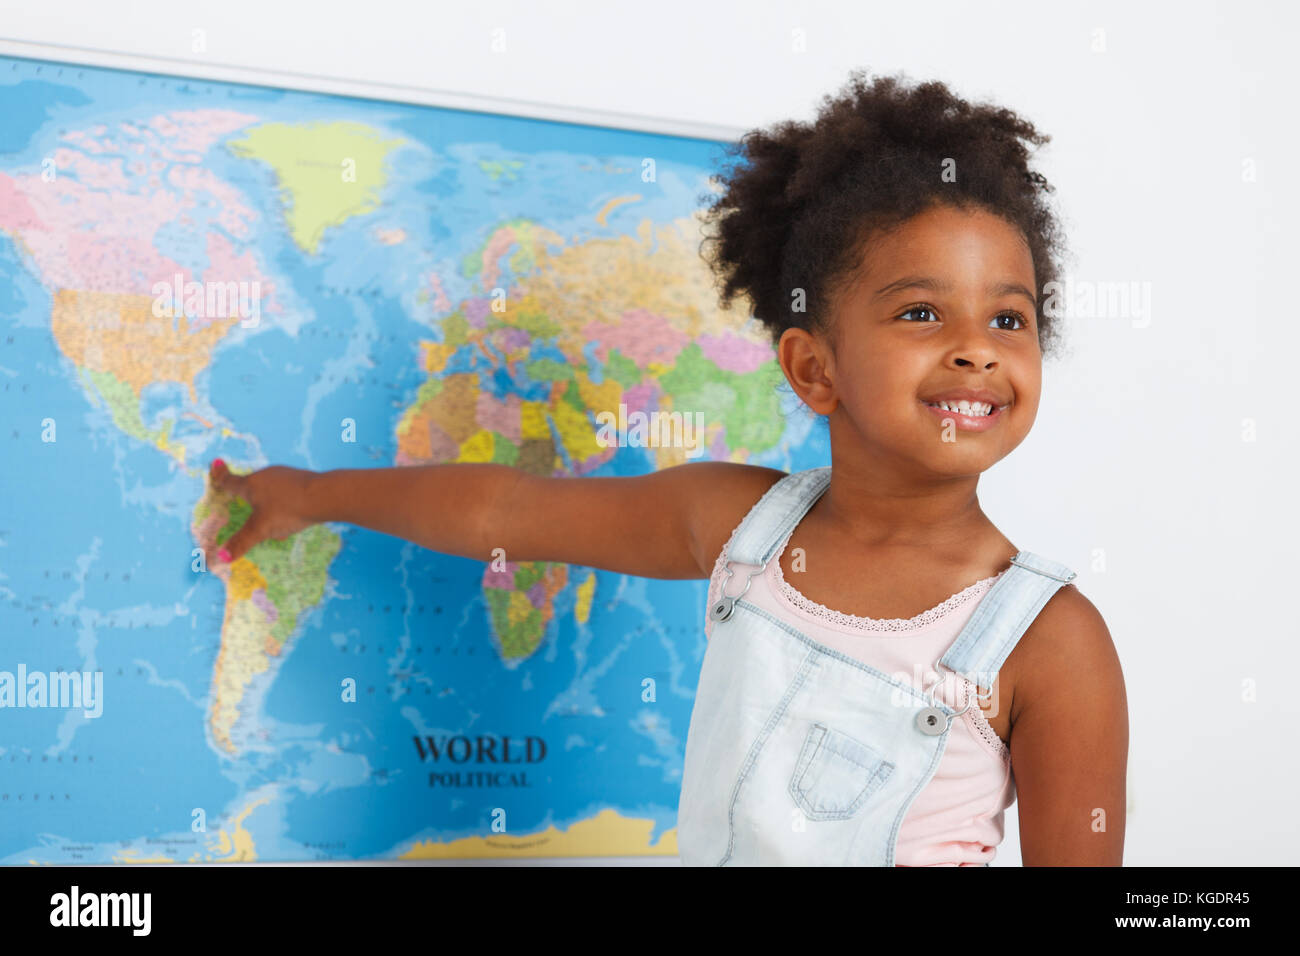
884, 502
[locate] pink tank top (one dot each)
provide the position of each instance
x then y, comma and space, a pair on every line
957, 819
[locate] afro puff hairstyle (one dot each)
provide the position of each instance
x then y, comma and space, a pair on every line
800, 207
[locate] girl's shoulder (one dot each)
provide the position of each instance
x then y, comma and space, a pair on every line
1067, 653
725, 491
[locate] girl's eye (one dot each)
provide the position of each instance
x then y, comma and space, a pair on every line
1010, 314
917, 308
1015, 316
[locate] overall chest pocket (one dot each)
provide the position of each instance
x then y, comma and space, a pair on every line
835, 774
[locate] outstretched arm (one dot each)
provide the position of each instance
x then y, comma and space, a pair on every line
643, 525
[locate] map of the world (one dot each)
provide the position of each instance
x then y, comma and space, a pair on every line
193, 269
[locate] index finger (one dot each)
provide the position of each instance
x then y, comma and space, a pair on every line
221, 475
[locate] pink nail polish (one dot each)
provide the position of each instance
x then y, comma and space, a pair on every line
217, 463
224, 555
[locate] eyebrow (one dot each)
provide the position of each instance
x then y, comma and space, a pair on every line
995, 289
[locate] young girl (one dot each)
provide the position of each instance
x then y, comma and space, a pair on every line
880, 657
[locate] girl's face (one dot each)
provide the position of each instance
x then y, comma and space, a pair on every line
944, 303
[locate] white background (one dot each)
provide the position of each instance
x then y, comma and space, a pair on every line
1140, 472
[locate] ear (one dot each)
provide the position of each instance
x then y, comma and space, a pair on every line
808, 365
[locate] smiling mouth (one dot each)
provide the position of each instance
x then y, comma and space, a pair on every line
988, 415
976, 409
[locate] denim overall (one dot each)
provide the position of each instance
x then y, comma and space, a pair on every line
799, 755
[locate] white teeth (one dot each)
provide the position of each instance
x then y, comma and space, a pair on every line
973, 409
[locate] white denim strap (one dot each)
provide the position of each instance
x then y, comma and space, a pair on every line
1003, 616
776, 514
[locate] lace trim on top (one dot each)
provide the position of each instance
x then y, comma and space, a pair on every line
824, 613
975, 717
978, 722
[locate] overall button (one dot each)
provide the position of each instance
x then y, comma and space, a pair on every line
721, 610
932, 721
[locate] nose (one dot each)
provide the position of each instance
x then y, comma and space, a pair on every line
976, 351
972, 347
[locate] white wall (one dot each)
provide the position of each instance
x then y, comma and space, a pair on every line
1141, 451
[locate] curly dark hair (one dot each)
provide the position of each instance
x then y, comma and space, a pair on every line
801, 204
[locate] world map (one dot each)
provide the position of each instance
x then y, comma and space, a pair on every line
193, 269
